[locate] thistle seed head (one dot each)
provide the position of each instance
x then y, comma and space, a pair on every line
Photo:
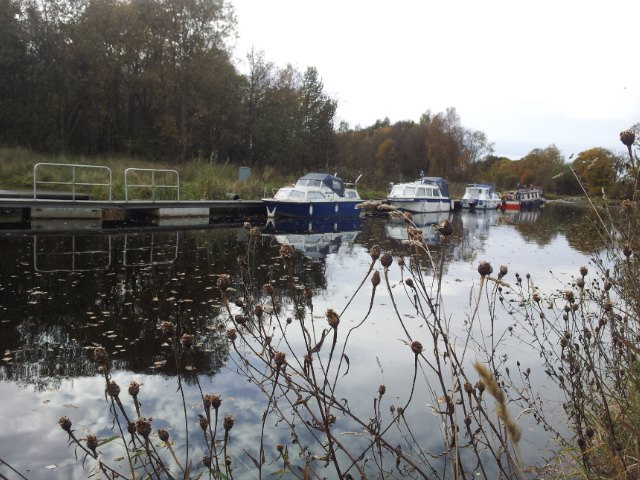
416, 347
187, 340
382, 389
228, 423
163, 435
232, 334
279, 358
92, 443
375, 252
485, 268
224, 282
204, 423
375, 278
143, 427
628, 137
134, 389
386, 260
113, 389
258, 310
583, 271
268, 289
503, 271
100, 355
65, 424
333, 318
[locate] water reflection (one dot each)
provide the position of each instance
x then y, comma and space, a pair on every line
62, 295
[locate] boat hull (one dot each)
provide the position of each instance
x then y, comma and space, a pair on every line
490, 204
288, 209
420, 205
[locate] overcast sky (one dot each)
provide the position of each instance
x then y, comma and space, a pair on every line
527, 73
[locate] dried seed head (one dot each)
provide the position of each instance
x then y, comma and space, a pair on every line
400, 262
279, 358
187, 340
100, 355
607, 285
627, 137
584, 271
240, 319
163, 435
224, 282
468, 387
92, 443
485, 268
268, 289
286, 251
131, 427
467, 420
375, 278
445, 228
258, 310
167, 327
375, 252
480, 386
503, 271
568, 295
580, 282
333, 318
204, 423
143, 427
563, 342
65, 424
386, 260
280, 448
113, 389
416, 347
382, 389
409, 283
626, 250
216, 401
228, 423
134, 389
607, 306
206, 461
231, 334
536, 297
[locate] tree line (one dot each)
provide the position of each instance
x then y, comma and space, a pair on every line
156, 79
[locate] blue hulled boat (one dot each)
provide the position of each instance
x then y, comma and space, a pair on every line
315, 195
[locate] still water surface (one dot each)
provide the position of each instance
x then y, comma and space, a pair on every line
63, 294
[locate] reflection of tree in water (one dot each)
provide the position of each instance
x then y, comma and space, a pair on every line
52, 318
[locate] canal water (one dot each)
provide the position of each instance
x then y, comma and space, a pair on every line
63, 294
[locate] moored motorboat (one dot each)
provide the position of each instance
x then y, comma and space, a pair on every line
521, 199
315, 195
480, 196
427, 194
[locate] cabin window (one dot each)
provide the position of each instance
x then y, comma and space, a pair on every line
315, 196
410, 191
296, 195
422, 192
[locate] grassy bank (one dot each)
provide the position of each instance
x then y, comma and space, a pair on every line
199, 179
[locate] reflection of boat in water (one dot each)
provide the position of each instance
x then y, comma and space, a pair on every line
520, 216
396, 228
315, 238
479, 221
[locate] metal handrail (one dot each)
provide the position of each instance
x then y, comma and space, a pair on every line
152, 184
73, 181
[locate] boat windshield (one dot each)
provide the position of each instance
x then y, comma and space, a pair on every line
403, 191
306, 182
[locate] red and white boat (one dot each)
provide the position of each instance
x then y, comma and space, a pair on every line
521, 199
